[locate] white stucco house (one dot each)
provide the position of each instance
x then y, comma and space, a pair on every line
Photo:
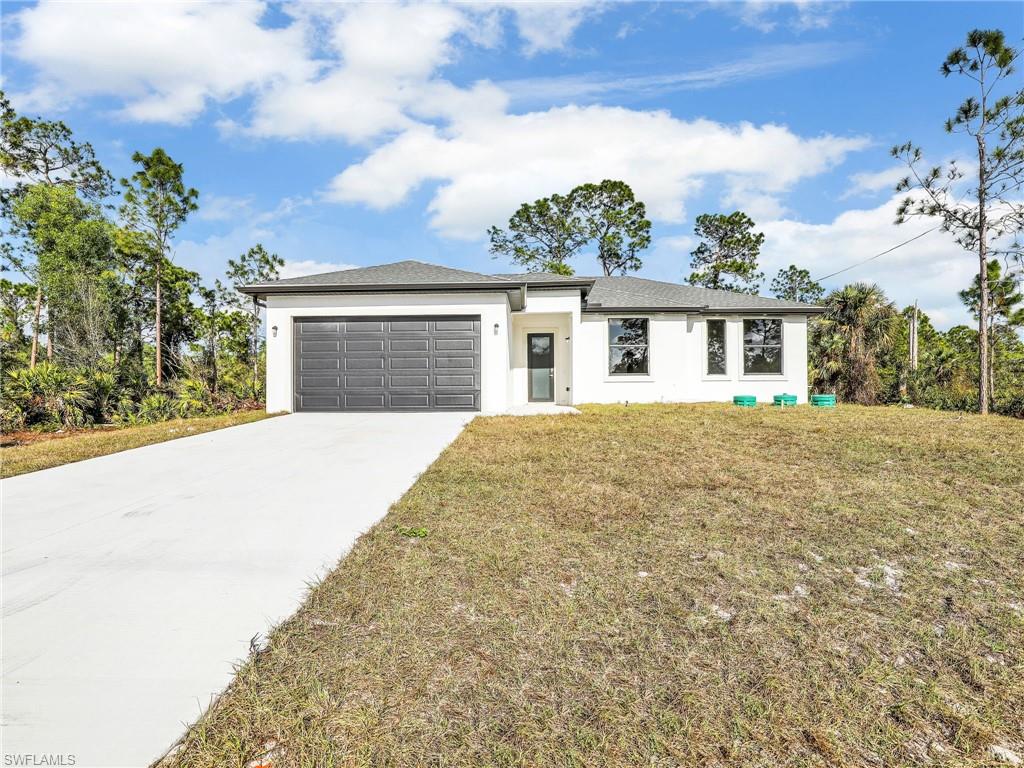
415, 336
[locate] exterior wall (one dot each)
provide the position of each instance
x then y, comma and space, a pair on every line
494, 332
546, 311
676, 362
676, 353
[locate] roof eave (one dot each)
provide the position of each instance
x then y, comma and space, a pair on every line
764, 310
597, 309
708, 310
516, 291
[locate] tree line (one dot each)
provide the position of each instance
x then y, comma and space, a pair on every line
863, 348
100, 324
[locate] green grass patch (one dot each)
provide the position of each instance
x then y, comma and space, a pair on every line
663, 586
43, 451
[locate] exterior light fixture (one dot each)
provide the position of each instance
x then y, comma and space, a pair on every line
495, 329
273, 330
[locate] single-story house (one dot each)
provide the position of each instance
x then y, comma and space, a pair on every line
411, 336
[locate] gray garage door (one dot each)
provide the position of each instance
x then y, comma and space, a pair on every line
387, 363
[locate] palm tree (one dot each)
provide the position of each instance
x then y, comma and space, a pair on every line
858, 323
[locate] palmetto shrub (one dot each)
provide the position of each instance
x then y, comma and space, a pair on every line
50, 395
103, 389
12, 417
156, 407
192, 398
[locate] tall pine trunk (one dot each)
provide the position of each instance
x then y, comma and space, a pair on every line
159, 334
212, 343
982, 278
35, 326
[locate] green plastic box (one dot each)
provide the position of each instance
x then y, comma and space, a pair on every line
745, 401
823, 401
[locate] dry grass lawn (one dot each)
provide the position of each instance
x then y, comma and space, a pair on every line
87, 444
664, 586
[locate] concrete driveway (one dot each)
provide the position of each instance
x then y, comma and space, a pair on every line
133, 582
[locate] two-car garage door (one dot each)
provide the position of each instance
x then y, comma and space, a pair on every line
395, 363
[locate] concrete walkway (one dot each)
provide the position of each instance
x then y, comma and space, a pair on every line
133, 582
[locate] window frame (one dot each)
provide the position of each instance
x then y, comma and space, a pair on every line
781, 345
704, 351
611, 375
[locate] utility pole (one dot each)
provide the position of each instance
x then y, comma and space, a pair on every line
913, 339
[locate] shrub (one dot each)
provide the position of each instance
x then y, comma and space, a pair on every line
127, 411
12, 417
155, 407
1011, 406
50, 395
102, 387
192, 398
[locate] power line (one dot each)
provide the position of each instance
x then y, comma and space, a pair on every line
877, 255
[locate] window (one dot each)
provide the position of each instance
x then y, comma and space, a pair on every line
762, 346
627, 346
716, 348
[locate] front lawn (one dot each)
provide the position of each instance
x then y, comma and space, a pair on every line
51, 449
662, 586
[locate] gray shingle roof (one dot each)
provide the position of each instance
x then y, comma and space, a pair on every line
605, 293
612, 292
545, 277
400, 273
629, 292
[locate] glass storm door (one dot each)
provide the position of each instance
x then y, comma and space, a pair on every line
540, 364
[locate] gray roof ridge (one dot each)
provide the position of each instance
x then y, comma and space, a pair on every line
436, 266
304, 279
510, 275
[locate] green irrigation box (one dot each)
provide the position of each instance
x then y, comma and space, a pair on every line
823, 401
745, 401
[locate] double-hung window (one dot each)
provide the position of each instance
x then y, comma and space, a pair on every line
715, 364
762, 346
628, 345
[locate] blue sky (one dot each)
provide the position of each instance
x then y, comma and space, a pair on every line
342, 135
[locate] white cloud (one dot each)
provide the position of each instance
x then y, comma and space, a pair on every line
931, 269
489, 165
798, 15
302, 268
164, 60
548, 26
352, 71
676, 243
748, 195
385, 56
764, 62
397, 40
873, 182
223, 207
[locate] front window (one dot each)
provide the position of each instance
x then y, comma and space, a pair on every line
627, 346
716, 348
762, 346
